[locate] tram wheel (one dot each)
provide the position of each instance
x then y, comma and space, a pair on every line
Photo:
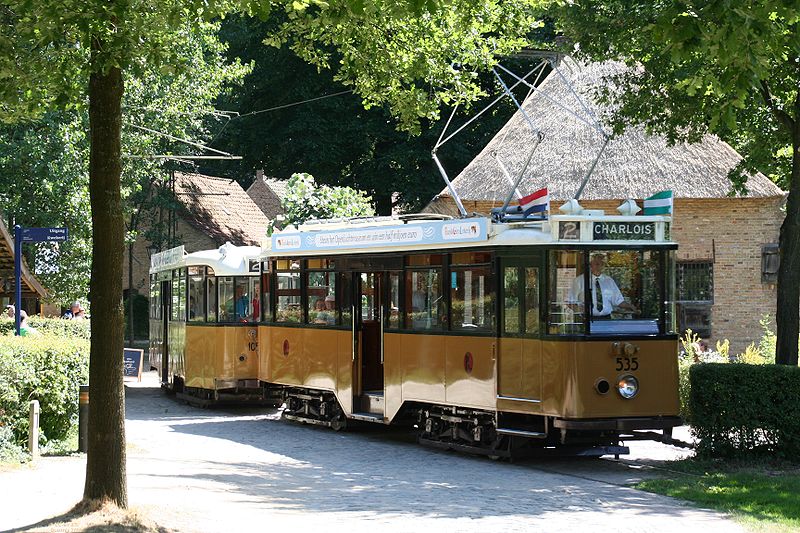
338, 422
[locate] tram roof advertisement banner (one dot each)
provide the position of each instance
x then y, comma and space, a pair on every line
425, 233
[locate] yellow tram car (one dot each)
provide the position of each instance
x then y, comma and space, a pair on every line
204, 309
545, 336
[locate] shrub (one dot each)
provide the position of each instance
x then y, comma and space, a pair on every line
739, 409
76, 329
689, 356
45, 368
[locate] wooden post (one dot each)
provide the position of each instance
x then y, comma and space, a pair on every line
33, 428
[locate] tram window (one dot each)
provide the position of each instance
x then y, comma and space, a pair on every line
266, 305
566, 302
531, 300
321, 298
472, 299
211, 298
424, 303
470, 258
178, 313
288, 292
226, 311
196, 295
254, 287
153, 298
424, 260
669, 299
244, 299
320, 264
630, 292
393, 320
345, 304
511, 307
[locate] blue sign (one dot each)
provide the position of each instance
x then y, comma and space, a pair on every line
424, 233
44, 234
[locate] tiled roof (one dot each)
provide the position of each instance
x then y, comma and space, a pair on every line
267, 193
220, 208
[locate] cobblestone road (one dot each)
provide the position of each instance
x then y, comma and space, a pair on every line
223, 470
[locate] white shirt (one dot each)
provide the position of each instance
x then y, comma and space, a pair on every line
612, 296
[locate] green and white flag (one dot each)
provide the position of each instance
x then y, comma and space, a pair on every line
658, 204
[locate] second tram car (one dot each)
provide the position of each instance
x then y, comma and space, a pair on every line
204, 309
487, 337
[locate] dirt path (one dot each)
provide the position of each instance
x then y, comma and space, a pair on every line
223, 470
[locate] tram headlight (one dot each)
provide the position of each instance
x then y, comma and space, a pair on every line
628, 386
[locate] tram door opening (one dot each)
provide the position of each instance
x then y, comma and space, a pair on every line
369, 323
166, 298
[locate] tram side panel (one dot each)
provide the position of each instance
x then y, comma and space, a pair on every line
220, 357
320, 348
177, 350
470, 371
571, 373
519, 380
156, 346
423, 368
318, 358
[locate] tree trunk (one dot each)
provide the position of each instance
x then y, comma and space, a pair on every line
788, 315
105, 464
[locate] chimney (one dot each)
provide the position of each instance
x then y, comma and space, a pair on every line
260, 174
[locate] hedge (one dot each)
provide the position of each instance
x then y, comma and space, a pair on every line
53, 326
740, 409
45, 368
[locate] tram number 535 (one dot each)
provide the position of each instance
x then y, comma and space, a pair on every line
627, 363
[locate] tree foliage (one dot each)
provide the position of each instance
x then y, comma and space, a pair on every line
44, 172
723, 67
305, 200
335, 138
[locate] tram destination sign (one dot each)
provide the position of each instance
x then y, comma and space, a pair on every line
624, 231
438, 232
44, 234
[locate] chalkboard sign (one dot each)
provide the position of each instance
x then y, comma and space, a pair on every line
132, 359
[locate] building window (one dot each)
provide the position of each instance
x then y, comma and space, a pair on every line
696, 281
695, 296
770, 262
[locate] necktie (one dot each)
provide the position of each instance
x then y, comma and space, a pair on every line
598, 294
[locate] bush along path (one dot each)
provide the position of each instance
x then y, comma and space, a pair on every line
48, 368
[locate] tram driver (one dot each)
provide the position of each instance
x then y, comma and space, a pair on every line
606, 296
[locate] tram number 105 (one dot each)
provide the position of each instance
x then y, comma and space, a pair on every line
627, 363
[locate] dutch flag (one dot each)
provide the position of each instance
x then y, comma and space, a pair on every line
537, 202
658, 204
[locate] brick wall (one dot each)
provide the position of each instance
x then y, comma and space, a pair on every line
727, 231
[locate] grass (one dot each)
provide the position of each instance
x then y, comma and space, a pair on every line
761, 494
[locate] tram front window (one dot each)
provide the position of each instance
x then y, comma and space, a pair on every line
620, 290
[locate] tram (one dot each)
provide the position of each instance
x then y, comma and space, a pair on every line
204, 308
490, 337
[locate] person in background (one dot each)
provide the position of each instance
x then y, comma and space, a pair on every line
10, 310
241, 304
25, 330
74, 309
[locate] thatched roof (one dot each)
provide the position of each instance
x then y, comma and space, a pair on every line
221, 209
634, 164
267, 193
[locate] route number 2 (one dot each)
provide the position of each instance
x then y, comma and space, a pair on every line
627, 363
